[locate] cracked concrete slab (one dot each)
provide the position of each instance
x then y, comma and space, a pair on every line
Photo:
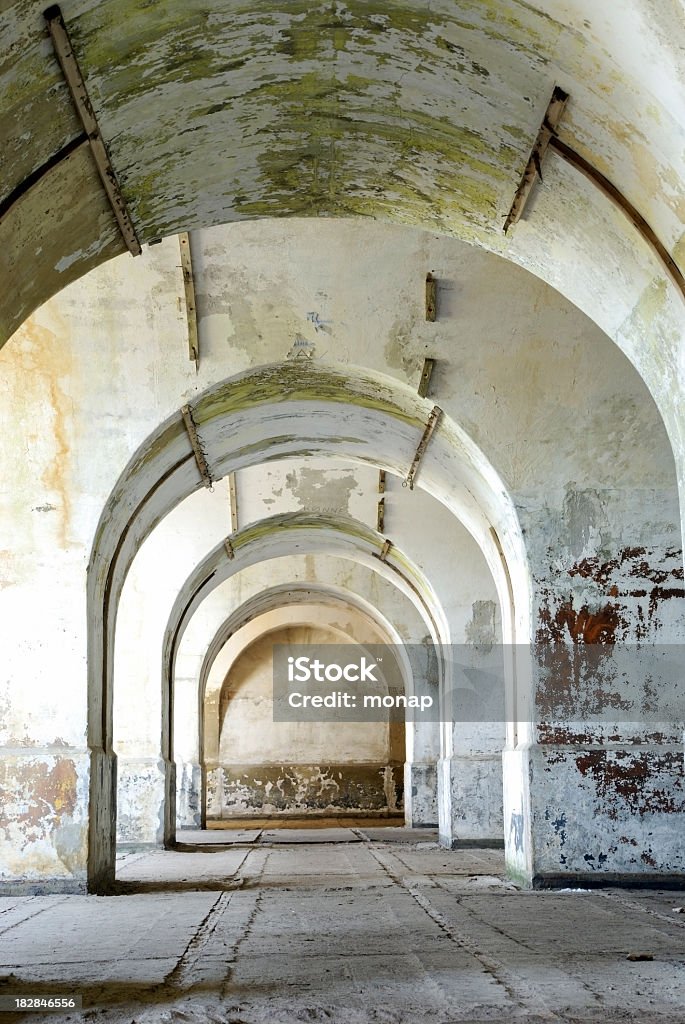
347, 933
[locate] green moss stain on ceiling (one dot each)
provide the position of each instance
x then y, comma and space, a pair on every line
417, 111
333, 108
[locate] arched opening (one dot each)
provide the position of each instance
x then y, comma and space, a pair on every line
161, 475
317, 140
287, 604
267, 768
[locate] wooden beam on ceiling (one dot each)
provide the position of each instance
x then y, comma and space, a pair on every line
426, 374
84, 108
431, 298
553, 114
189, 291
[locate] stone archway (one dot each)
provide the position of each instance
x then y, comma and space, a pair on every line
277, 412
336, 767
218, 658
267, 540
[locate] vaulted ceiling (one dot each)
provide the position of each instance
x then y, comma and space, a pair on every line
422, 112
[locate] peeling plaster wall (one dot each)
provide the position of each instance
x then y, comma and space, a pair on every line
557, 409
43, 832
301, 790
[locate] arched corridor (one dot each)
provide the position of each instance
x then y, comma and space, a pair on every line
394, 380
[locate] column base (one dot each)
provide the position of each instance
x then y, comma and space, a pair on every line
420, 795
102, 819
140, 801
470, 799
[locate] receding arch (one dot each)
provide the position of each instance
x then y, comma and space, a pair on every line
396, 615
287, 595
379, 770
278, 411
217, 659
248, 626
261, 542
312, 533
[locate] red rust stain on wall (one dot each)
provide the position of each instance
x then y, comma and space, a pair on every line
580, 625
631, 562
36, 795
631, 588
645, 783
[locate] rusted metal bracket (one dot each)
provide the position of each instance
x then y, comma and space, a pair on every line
436, 413
230, 553
426, 374
200, 459
380, 512
385, 550
431, 298
79, 94
380, 516
189, 289
553, 114
233, 501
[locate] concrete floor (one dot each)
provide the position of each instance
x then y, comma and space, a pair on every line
344, 927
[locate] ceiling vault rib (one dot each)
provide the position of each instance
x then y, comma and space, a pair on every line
547, 138
616, 196
34, 177
79, 94
200, 459
435, 414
